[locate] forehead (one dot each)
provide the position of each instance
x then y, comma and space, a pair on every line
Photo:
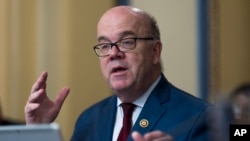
117, 23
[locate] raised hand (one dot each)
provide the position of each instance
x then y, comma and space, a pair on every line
39, 108
152, 136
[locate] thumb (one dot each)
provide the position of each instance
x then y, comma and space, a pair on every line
62, 95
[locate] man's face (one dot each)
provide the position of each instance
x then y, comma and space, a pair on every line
125, 70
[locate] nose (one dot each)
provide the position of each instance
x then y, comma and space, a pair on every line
115, 52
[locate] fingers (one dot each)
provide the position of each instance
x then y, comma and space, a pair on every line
158, 136
39, 108
152, 136
40, 82
38, 90
137, 136
30, 108
165, 138
36, 96
60, 98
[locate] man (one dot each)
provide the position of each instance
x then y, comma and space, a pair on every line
234, 109
129, 49
240, 102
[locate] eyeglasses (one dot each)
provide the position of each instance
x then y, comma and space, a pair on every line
122, 45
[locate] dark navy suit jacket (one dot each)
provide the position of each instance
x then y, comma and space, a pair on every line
167, 108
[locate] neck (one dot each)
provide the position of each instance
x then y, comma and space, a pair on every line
133, 93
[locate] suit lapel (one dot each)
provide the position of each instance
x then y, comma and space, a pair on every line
154, 108
107, 118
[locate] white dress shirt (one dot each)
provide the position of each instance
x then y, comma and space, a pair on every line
139, 105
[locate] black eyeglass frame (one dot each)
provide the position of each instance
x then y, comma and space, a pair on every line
116, 45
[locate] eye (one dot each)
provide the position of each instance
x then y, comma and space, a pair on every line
127, 43
104, 46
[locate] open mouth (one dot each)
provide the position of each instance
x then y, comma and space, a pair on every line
118, 69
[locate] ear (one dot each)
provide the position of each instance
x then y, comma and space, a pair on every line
157, 51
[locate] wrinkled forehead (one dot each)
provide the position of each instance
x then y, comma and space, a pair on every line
118, 21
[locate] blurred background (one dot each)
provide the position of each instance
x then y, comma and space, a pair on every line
206, 49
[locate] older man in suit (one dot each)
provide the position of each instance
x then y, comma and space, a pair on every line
145, 106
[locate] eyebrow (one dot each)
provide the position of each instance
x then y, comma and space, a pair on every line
121, 35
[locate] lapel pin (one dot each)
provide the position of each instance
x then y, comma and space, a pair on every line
144, 123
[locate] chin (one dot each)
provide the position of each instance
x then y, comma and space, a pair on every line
119, 86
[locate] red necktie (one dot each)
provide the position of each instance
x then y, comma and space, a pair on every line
128, 109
